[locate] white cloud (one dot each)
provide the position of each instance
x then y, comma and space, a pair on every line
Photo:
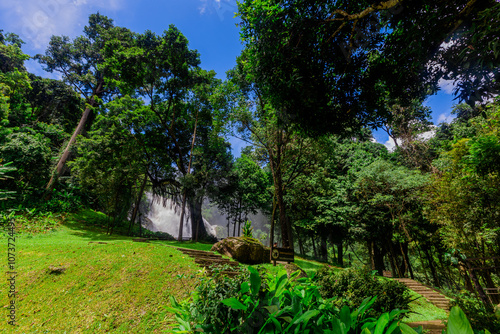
390, 144
220, 7
446, 85
445, 118
37, 20
428, 134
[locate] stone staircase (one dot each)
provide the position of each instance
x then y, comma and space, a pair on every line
212, 261
434, 297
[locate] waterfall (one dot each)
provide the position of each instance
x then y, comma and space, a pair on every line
158, 217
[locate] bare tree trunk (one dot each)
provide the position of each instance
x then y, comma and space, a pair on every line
433, 269
181, 223
314, 248
137, 203
271, 233
79, 128
340, 254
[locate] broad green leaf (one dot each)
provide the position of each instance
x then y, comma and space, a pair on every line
234, 303
304, 318
366, 331
458, 323
280, 287
345, 317
405, 329
381, 323
392, 327
337, 326
245, 287
254, 280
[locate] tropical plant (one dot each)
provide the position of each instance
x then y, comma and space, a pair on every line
248, 229
288, 305
351, 287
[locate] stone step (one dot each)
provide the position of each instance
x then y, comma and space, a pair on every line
201, 254
432, 324
433, 296
216, 263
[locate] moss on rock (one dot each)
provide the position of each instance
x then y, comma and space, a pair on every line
243, 249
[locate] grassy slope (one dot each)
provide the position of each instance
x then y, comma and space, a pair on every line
120, 286
422, 310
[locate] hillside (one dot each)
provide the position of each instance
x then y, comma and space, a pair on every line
83, 281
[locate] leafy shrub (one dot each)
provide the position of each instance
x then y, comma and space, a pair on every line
351, 287
279, 305
480, 317
207, 306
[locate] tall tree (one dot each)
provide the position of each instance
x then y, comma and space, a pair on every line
277, 143
329, 64
80, 63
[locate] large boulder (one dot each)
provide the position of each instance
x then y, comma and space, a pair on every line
243, 249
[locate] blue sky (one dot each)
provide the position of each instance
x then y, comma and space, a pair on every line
209, 25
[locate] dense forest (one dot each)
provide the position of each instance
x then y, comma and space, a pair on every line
134, 113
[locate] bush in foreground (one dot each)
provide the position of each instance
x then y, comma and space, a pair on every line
276, 304
350, 287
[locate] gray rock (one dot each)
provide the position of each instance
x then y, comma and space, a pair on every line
243, 249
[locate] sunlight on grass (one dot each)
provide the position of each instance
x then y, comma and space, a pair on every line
422, 310
82, 280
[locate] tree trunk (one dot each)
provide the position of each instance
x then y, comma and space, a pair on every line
181, 224
392, 261
301, 246
370, 254
271, 236
404, 249
340, 254
78, 130
188, 172
197, 218
137, 203
314, 247
485, 274
432, 267
323, 250
378, 259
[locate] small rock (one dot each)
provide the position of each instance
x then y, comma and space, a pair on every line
292, 267
53, 270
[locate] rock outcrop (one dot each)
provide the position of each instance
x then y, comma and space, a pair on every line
243, 249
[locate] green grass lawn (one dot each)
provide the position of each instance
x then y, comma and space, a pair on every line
422, 310
75, 278
114, 286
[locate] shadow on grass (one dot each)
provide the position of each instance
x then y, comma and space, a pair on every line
92, 225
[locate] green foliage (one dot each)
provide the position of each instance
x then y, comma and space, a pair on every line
280, 304
480, 317
30, 152
458, 323
5, 168
352, 286
248, 229
464, 196
207, 304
